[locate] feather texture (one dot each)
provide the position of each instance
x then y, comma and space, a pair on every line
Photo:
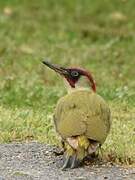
82, 113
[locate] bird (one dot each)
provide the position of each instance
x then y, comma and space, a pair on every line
82, 118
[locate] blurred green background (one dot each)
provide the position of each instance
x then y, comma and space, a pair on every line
96, 35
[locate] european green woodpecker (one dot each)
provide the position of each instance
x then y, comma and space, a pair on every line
82, 117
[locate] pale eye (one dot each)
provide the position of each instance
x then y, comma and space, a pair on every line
74, 73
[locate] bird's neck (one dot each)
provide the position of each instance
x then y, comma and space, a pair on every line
70, 90
82, 84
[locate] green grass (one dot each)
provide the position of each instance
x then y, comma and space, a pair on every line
97, 35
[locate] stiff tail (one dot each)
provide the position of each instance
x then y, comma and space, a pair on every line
70, 158
76, 148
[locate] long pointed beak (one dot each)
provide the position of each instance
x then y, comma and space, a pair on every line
56, 68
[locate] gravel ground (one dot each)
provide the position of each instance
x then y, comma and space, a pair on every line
30, 161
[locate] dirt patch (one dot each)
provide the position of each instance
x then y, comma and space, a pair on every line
22, 161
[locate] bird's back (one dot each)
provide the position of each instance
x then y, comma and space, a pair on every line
82, 113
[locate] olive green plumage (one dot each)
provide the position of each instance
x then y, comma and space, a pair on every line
83, 114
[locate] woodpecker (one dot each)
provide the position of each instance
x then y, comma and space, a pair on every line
81, 117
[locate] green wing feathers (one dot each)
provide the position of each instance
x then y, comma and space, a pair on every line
82, 113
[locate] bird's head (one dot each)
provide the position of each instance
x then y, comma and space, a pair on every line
76, 78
